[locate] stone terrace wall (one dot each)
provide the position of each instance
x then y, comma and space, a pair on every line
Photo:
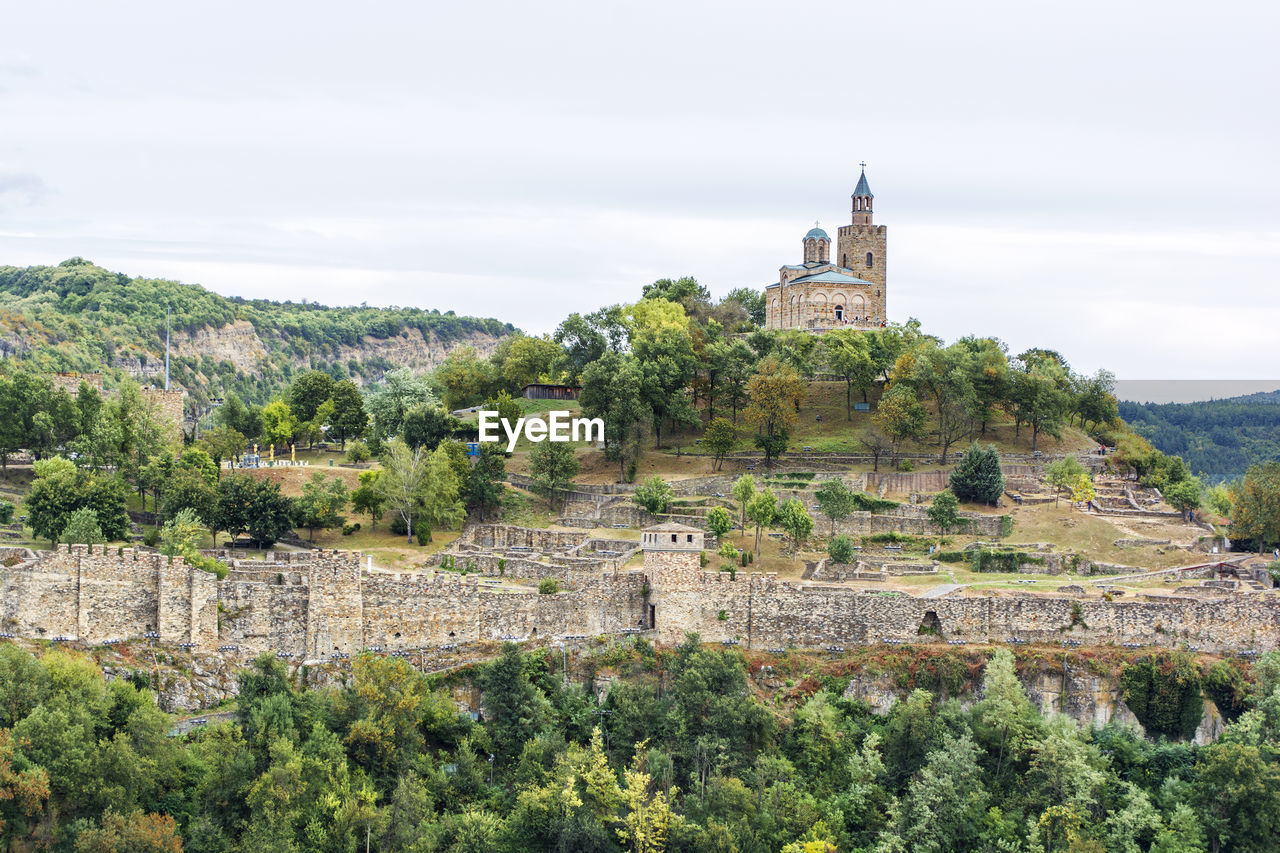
500, 536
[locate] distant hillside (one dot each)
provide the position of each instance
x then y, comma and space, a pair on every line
1219, 439
80, 317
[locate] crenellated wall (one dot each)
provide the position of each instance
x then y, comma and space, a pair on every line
312, 605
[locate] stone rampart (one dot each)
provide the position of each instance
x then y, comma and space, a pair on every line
327, 602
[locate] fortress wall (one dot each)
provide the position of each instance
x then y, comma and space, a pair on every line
766, 613
262, 615
410, 610
334, 605
331, 605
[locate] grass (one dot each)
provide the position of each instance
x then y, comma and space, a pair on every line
838, 433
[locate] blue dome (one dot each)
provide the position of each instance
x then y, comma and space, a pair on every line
816, 233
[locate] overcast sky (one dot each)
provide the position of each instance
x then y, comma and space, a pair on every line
1099, 178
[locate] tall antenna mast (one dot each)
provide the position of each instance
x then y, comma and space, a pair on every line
166, 346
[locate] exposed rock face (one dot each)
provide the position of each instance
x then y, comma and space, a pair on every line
240, 344
1087, 698
237, 342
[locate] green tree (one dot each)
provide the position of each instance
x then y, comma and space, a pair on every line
1041, 395
358, 453
347, 418
404, 481
441, 506
773, 445
654, 495
466, 378
527, 359
611, 391
762, 508
188, 489
53, 497
977, 477
269, 514
182, 534
367, 499
944, 512
278, 425
744, 488
796, 522
198, 461
515, 710
1062, 473
719, 522
1238, 792
847, 352
552, 467
667, 363
719, 439
59, 489
835, 500
485, 480
223, 444
900, 415
427, 426
322, 502
82, 528
506, 407
1184, 496
307, 392
389, 402
841, 549
231, 512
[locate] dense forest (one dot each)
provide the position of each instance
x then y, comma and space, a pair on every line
77, 316
686, 752
1218, 439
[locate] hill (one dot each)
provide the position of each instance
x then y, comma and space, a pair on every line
77, 316
1218, 439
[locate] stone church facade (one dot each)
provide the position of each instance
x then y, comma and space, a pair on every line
826, 292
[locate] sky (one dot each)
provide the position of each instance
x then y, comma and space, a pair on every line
1097, 178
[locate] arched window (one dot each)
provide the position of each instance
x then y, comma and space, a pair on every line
839, 312
844, 260
870, 260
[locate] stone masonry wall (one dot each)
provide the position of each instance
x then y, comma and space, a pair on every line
309, 609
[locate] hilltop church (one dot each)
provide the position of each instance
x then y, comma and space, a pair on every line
821, 294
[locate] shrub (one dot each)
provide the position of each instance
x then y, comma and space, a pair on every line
82, 528
398, 527
655, 495
951, 556
702, 559
989, 560
152, 537
841, 549
723, 615
6, 511
423, 535
358, 452
548, 586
